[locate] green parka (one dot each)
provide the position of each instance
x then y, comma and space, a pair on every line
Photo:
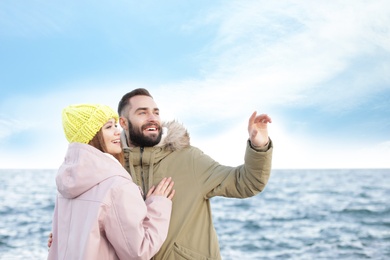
197, 178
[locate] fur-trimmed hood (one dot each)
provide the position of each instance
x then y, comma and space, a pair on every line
175, 137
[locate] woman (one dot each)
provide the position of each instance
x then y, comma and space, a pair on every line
100, 213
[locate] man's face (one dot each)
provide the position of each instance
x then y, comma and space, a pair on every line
143, 122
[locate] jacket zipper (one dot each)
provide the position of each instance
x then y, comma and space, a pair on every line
142, 172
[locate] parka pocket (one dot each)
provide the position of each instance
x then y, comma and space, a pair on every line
183, 253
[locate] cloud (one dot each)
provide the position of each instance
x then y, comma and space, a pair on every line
11, 126
267, 55
282, 50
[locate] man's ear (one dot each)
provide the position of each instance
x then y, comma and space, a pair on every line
123, 123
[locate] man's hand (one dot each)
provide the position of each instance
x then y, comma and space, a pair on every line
50, 240
257, 129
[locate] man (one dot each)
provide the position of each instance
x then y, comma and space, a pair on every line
152, 154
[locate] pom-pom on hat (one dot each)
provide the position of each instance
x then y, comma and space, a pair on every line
82, 122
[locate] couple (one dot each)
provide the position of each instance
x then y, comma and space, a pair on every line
150, 158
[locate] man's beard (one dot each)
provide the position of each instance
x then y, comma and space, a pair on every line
137, 138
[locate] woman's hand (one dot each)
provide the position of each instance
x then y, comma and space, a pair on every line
164, 188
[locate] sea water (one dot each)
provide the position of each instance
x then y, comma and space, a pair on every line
302, 214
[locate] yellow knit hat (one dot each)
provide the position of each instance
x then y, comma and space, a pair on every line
81, 122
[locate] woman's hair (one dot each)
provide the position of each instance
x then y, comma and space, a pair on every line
98, 142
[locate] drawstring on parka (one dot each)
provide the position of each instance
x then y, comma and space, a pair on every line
133, 174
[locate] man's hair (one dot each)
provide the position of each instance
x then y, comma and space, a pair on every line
125, 101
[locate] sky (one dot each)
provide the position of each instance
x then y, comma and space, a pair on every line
319, 69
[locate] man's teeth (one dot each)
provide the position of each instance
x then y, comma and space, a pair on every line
151, 129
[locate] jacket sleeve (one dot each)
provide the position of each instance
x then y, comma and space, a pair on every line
236, 182
135, 228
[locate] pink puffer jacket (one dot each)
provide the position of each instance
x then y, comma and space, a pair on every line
100, 212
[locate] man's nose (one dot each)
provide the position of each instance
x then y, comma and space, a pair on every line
152, 117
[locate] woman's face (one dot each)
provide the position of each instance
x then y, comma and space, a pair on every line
111, 137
